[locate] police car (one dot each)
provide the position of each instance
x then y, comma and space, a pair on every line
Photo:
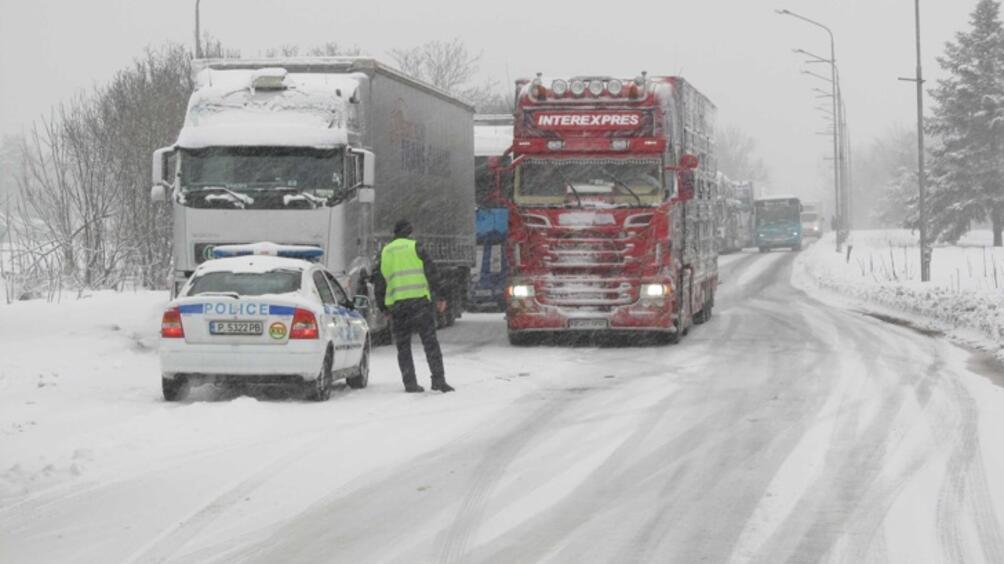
264, 314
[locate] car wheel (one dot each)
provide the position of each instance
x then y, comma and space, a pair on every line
319, 389
361, 377
174, 388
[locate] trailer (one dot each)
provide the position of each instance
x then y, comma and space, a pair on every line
327, 152
492, 138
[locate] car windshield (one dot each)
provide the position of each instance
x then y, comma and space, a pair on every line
261, 177
246, 283
589, 181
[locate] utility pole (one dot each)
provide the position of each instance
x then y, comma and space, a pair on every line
925, 250
198, 40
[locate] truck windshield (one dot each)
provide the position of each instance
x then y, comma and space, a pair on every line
261, 177
587, 182
246, 283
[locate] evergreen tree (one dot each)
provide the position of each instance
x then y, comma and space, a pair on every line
968, 165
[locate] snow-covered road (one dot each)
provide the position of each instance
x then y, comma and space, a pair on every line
783, 430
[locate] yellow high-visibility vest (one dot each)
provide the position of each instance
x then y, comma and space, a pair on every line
404, 272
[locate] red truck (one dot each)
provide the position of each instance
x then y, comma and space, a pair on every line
611, 224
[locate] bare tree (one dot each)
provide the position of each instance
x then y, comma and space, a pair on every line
449, 66
737, 155
333, 49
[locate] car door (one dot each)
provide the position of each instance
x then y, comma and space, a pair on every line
329, 318
356, 327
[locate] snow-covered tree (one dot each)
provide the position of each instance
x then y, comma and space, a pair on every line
968, 160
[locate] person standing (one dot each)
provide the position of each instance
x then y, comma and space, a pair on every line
402, 288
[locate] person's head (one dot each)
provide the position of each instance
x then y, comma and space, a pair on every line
403, 228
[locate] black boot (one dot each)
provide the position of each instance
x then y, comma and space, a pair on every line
413, 388
442, 386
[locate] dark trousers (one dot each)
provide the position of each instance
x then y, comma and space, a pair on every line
416, 316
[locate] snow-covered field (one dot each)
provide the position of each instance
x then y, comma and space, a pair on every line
965, 296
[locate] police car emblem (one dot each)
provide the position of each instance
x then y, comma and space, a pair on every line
277, 330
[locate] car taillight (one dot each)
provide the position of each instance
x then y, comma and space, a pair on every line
170, 324
304, 325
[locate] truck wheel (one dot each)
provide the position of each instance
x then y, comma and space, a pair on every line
175, 388
361, 376
517, 339
319, 389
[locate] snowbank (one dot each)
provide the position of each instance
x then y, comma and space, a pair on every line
964, 298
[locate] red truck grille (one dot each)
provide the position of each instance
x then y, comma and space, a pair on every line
586, 291
580, 252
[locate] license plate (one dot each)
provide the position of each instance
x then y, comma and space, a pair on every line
236, 327
587, 323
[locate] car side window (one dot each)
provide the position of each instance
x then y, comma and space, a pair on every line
340, 295
323, 289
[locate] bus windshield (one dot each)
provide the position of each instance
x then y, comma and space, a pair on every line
586, 182
777, 212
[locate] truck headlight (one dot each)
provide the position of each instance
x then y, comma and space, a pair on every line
653, 290
521, 291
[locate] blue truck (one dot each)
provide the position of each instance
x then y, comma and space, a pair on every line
492, 138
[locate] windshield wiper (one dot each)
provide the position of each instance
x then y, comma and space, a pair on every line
625, 186
568, 183
238, 197
294, 194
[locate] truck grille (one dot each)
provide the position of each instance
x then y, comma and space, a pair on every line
584, 291
576, 251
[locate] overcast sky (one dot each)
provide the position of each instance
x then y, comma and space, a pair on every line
738, 52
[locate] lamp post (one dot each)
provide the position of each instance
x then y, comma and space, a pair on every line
836, 143
925, 250
198, 41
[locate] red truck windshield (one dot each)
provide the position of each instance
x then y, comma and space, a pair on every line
628, 182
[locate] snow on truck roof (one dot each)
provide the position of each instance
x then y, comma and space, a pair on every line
268, 106
777, 197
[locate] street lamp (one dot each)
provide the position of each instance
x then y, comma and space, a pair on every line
925, 250
198, 42
836, 149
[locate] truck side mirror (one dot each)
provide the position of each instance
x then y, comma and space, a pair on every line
689, 161
161, 157
686, 185
494, 163
368, 179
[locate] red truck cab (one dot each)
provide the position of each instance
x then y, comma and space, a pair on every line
611, 226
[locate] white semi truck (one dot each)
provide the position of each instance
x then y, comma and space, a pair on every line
327, 152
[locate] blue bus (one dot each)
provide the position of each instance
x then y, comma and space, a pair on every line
778, 223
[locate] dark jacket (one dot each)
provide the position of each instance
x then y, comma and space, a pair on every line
380, 285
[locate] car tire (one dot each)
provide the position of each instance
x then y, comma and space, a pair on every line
174, 389
319, 389
361, 376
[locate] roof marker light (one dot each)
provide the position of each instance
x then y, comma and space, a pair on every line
555, 145
559, 87
615, 87
619, 144
578, 87
596, 87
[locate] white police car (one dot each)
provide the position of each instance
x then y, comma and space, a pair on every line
261, 317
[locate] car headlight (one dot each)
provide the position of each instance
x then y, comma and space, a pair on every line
521, 291
653, 290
